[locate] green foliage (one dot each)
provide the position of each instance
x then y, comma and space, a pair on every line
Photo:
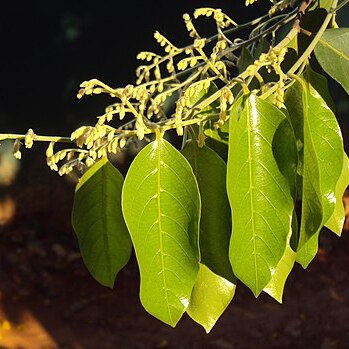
97, 219
210, 296
332, 52
161, 205
197, 222
215, 226
318, 133
260, 189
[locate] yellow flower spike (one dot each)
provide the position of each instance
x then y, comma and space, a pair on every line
77, 133
29, 138
62, 155
81, 156
16, 152
122, 142
93, 154
53, 167
110, 135
114, 145
160, 87
70, 155
122, 113
199, 44
89, 162
49, 150
102, 119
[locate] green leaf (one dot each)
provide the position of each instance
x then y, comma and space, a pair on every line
319, 82
215, 224
220, 148
316, 128
97, 219
275, 287
332, 52
210, 297
336, 221
260, 195
326, 4
161, 206
199, 94
283, 139
220, 134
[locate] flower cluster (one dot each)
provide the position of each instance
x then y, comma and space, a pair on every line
181, 87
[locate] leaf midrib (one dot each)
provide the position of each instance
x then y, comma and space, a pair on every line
248, 117
339, 53
158, 191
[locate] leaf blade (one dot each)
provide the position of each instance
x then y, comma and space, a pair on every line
215, 226
210, 297
96, 213
336, 221
255, 184
161, 206
317, 130
332, 52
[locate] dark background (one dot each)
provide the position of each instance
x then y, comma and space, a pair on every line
47, 48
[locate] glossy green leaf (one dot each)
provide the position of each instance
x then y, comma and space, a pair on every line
210, 297
104, 242
336, 221
215, 224
332, 52
161, 206
275, 287
317, 130
284, 142
260, 195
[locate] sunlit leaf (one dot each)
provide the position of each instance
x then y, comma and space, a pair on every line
321, 154
332, 52
220, 134
161, 206
319, 82
336, 221
215, 224
326, 4
275, 287
104, 242
260, 195
210, 297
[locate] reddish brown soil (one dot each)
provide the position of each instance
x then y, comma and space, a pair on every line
49, 301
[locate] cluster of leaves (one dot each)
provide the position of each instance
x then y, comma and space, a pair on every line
259, 135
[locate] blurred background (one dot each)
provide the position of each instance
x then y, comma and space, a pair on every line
47, 298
